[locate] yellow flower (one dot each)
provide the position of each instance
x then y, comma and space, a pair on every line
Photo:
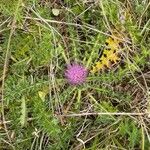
105, 61
93, 69
99, 65
114, 58
112, 43
111, 55
108, 52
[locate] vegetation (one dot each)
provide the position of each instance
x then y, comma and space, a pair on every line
40, 110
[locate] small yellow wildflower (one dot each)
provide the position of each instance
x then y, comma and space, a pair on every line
105, 61
112, 56
93, 69
108, 52
112, 43
99, 65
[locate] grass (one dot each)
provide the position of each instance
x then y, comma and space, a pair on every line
39, 109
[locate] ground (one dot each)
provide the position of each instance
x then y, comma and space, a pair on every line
40, 109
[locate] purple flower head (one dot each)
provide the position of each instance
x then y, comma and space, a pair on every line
76, 74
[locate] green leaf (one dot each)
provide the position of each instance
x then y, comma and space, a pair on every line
134, 135
42, 95
23, 112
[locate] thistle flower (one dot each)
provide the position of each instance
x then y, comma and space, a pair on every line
76, 74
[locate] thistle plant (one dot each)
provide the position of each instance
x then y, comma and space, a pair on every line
110, 111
